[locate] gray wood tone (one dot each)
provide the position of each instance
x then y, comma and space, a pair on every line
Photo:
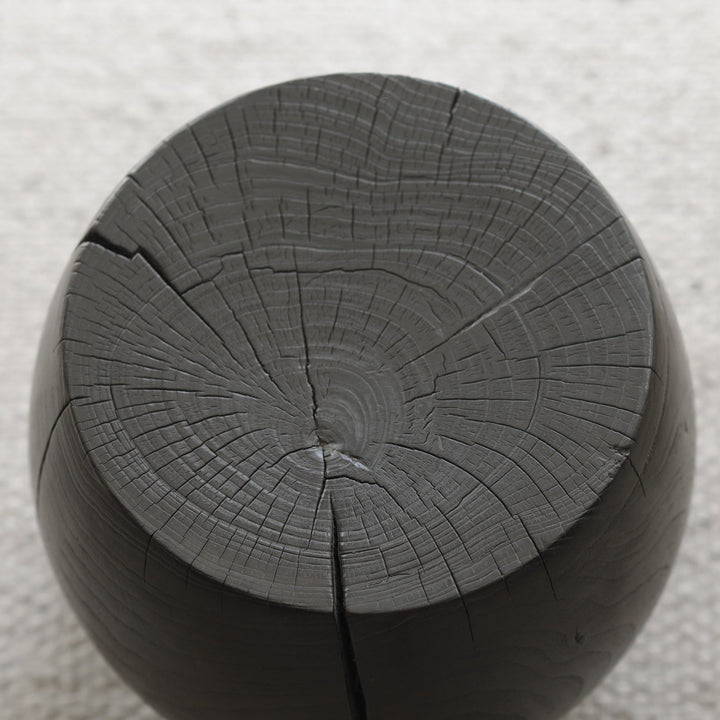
360, 399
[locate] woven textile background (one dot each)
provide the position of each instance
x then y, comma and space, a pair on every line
88, 88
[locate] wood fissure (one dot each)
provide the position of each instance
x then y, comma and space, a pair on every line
41, 465
353, 685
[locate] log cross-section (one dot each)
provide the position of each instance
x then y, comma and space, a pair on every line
360, 400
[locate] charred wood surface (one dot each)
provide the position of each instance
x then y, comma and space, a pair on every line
361, 399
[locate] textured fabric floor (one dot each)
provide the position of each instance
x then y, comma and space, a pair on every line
88, 89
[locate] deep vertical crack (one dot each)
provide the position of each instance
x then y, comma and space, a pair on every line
356, 698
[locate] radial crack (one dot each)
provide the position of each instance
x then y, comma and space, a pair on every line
356, 698
311, 385
46, 447
93, 237
540, 556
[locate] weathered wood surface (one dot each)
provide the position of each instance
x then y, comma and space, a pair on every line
360, 399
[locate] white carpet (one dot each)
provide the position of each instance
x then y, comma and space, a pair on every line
88, 88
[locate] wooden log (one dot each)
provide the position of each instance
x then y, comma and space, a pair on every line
361, 399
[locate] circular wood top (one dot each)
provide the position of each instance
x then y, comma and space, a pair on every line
358, 339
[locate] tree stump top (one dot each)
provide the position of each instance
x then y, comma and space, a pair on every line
358, 339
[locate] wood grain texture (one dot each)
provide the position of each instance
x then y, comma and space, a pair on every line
361, 399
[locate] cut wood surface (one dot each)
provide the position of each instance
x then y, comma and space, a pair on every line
360, 399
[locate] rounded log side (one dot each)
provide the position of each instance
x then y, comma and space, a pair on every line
361, 399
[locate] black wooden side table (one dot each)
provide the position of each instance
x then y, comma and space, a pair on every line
361, 399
